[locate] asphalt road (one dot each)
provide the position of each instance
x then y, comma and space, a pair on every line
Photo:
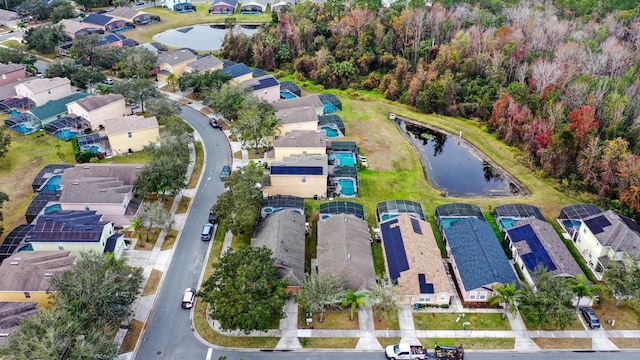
169, 334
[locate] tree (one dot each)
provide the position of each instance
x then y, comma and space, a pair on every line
44, 38
244, 292
84, 47
353, 300
382, 298
136, 62
106, 57
622, 279
256, 120
172, 79
34, 8
163, 108
581, 289
505, 295
5, 141
549, 303
3, 197
155, 214
321, 290
237, 207
137, 91
229, 100
62, 9
80, 76
582, 121
97, 288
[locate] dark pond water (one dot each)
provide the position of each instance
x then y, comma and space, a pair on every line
454, 167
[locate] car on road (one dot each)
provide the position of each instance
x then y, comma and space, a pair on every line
213, 218
207, 232
590, 317
214, 123
188, 298
108, 81
226, 172
140, 3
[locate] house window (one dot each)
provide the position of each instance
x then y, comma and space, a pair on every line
27, 295
425, 299
584, 230
304, 179
129, 134
483, 295
49, 91
473, 295
60, 246
442, 297
4, 76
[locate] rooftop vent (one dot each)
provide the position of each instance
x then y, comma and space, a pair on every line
14, 263
48, 274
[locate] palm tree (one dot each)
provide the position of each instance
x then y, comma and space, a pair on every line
353, 299
172, 79
505, 295
580, 288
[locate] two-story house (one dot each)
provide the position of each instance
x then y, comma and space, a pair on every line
12, 73
131, 133
204, 64
173, 62
301, 142
299, 175
43, 90
303, 119
98, 108
264, 87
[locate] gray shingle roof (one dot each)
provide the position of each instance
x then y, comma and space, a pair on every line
98, 183
297, 115
312, 101
344, 248
175, 57
129, 123
621, 235
205, 63
94, 102
31, 273
284, 233
478, 254
301, 138
8, 68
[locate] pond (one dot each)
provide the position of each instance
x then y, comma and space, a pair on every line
455, 167
199, 37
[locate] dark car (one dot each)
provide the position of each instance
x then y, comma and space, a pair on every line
140, 3
226, 172
213, 218
207, 232
590, 317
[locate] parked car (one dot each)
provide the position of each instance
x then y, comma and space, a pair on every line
590, 317
140, 3
213, 218
226, 172
214, 123
207, 232
108, 81
188, 298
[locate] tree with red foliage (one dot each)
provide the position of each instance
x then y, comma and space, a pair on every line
508, 119
582, 121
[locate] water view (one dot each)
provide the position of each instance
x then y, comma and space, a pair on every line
454, 167
199, 37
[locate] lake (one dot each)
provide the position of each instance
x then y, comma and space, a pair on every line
455, 167
199, 37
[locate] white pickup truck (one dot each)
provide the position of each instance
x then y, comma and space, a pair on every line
406, 352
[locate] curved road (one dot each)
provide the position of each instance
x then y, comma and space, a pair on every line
168, 334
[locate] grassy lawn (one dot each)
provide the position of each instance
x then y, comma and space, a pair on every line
147, 241
626, 343
140, 157
197, 167
169, 239
388, 341
568, 343
152, 282
332, 320
131, 338
575, 325
328, 343
183, 205
447, 321
626, 318
470, 343
389, 321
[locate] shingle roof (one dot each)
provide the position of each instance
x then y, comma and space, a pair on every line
112, 241
616, 231
129, 123
124, 12
98, 183
284, 233
175, 57
410, 247
236, 70
344, 248
225, 2
94, 102
205, 63
262, 82
71, 27
548, 242
98, 19
32, 270
304, 138
308, 101
478, 254
6, 15
8, 68
39, 85
56, 107
297, 115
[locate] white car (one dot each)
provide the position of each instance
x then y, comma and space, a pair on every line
188, 298
108, 81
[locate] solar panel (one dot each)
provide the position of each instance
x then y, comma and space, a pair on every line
416, 226
597, 224
425, 287
538, 254
394, 248
296, 170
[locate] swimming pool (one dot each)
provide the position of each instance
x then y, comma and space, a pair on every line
571, 224
331, 132
14, 112
329, 108
93, 148
386, 217
347, 187
53, 184
507, 223
343, 159
23, 129
65, 134
287, 95
448, 221
53, 208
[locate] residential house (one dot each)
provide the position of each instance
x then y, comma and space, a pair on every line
9, 19
174, 62
299, 175
299, 142
253, 7
204, 64
477, 259
393, 208
284, 234
170, 4
98, 108
572, 216
413, 262
302, 119
131, 15
132, 133
223, 7
606, 237
534, 242
26, 276
98, 20
73, 28
55, 109
264, 87
43, 90
107, 188
12, 73
76, 231
238, 72
344, 249
312, 101
12, 314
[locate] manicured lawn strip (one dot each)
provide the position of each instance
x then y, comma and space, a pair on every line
183, 205
447, 321
131, 338
332, 320
564, 343
626, 318
328, 343
169, 239
145, 243
173, 20
470, 343
140, 157
311, 245
152, 282
626, 343
197, 167
378, 258
531, 326
388, 341
389, 321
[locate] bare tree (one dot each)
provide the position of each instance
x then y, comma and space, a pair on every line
319, 291
154, 214
544, 74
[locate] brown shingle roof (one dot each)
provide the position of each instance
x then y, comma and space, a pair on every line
344, 248
129, 123
32, 270
94, 102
